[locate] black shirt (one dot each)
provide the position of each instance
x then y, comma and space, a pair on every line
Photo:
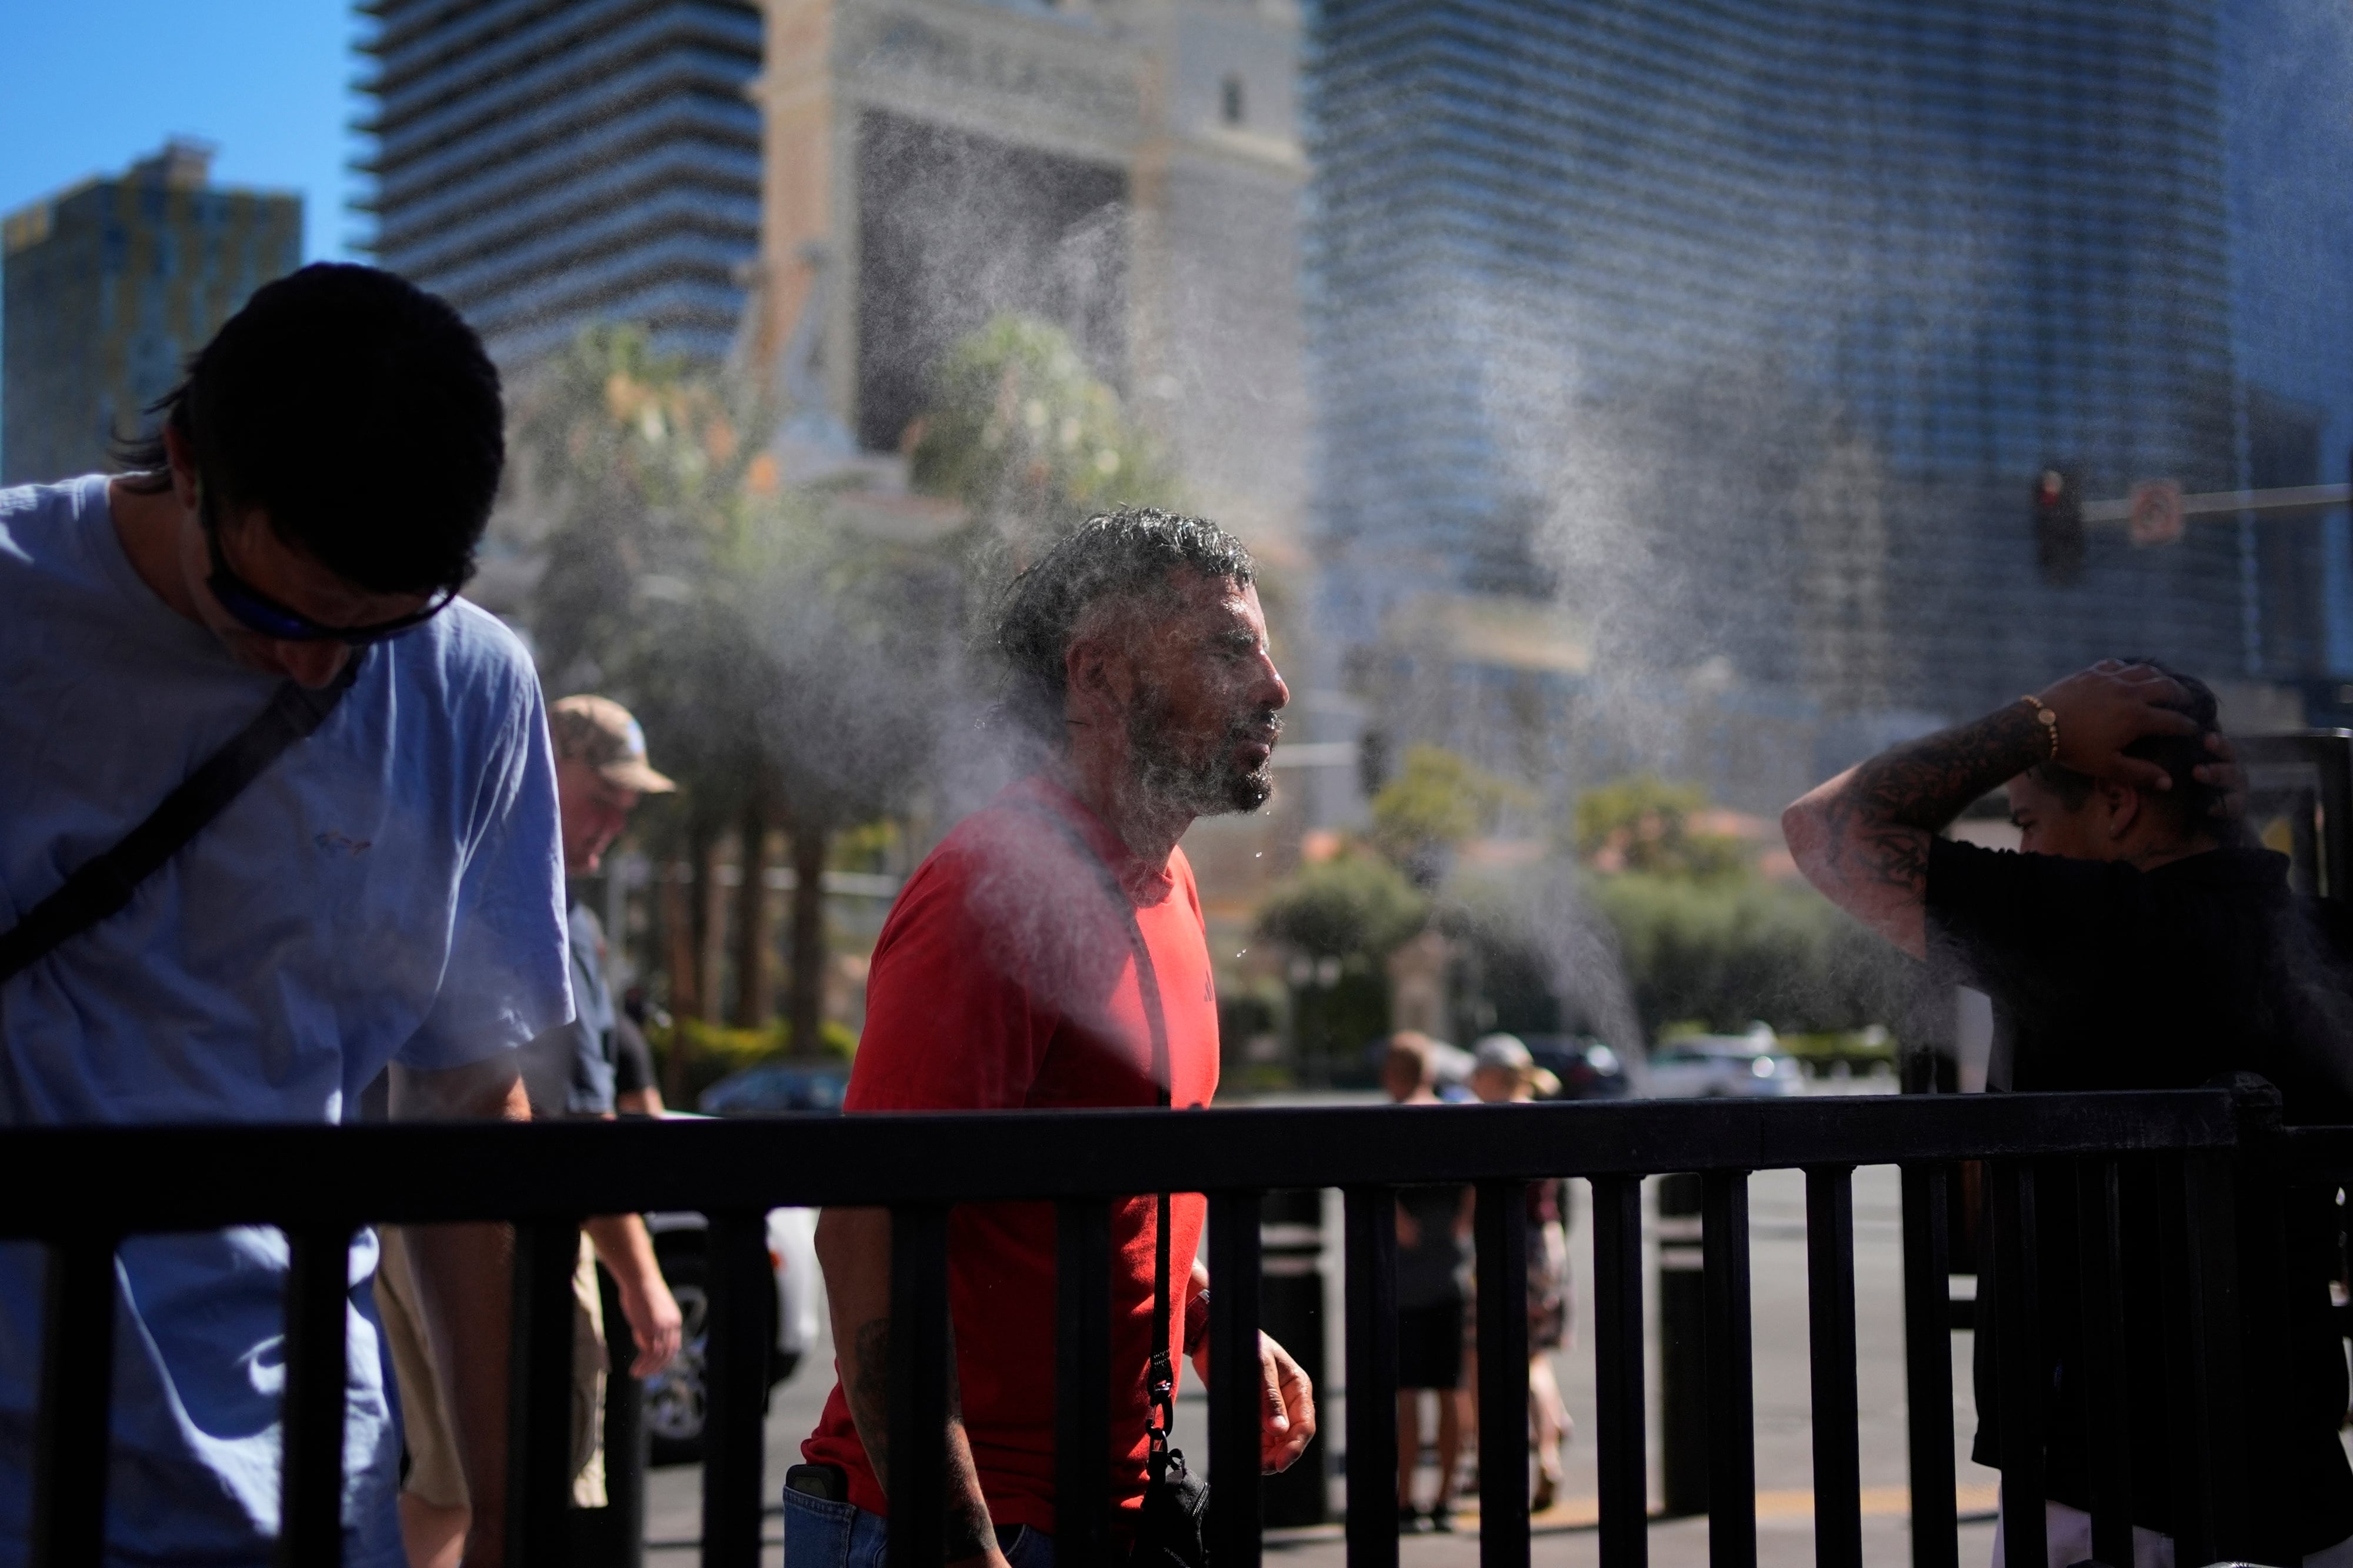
2104, 977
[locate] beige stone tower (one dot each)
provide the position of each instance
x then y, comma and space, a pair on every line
1131, 168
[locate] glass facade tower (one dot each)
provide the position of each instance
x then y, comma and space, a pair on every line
543, 164
110, 287
1706, 311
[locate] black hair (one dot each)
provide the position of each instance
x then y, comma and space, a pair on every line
359, 413
1130, 551
2189, 805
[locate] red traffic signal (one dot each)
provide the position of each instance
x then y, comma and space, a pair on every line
2059, 542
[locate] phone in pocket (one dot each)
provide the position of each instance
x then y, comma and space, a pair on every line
828, 1482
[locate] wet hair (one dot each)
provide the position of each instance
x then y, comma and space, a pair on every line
1127, 554
2189, 806
359, 413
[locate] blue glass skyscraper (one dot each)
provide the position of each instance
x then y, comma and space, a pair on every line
542, 167
1774, 312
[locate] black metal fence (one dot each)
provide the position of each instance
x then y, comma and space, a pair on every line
2220, 1152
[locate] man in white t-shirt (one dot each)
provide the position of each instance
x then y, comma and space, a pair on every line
388, 890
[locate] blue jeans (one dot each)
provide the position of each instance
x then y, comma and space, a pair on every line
819, 1533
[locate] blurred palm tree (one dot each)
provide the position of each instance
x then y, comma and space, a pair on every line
769, 649
1029, 438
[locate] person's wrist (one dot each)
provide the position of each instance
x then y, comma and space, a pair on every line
2048, 729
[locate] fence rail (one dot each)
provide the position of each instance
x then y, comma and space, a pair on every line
81, 1190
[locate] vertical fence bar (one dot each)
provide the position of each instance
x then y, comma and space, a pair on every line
1371, 1325
1502, 1226
920, 1370
310, 1464
1236, 1389
1829, 1302
740, 1295
1928, 1366
539, 1392
2106, 1391
69, 1429
2264, 1499
614, 1536
2022, 1373
1731, 1393
1083, 1384
2201, 1323
1682, 1344
1621, 1459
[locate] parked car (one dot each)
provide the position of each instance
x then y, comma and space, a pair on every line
1588, 1069
1716, 1066
676, 1398
776, 1088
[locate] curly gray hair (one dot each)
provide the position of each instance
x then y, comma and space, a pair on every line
1126, 553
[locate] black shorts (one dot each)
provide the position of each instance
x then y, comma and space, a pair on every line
1429, 1346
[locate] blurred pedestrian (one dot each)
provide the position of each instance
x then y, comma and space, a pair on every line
601, 772
1433, 1268
2134, 942
636, 1090
368, 874
1504, 1072
1051, 953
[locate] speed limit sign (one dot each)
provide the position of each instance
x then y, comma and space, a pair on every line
2157, 511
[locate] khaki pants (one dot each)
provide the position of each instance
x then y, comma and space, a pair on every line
434, 1472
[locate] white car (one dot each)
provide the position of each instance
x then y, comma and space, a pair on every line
675, 1397
1719, 1067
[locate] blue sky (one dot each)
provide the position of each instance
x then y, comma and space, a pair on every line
92, 84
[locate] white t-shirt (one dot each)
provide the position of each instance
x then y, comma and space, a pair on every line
389, 890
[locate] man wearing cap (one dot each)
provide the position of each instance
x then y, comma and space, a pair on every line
601, 772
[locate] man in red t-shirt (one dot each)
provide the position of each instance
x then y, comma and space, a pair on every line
1007, 977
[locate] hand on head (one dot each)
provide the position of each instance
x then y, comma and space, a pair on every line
2225, 777
2111, 706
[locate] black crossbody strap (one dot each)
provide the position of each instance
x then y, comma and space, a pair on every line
1160, 1377
104, 883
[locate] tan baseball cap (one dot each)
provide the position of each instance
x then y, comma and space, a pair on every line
599, 731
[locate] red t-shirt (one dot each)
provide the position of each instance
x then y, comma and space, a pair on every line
1005, 978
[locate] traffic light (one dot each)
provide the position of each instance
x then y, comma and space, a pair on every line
2058, 528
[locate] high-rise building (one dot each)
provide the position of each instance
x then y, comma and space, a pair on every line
2286, 64
1746, 327
1129, 169
543, 165
109, 287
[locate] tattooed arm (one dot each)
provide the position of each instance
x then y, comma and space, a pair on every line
853, 1248
1862, 838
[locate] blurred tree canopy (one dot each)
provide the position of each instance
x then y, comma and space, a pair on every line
1351, 905
1021, 432
782, 663
1437, 801
1727, 951
1643, 823
1704, 938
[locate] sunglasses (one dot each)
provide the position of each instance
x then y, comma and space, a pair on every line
257, 612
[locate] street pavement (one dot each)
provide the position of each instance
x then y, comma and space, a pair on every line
1566, 1538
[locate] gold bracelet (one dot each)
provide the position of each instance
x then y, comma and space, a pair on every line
2048, 718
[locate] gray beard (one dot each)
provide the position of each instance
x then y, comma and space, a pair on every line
1214, 787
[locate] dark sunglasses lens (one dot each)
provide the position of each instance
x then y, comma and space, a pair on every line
257, 615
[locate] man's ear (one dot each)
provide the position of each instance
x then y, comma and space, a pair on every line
2121, 806
1097, 678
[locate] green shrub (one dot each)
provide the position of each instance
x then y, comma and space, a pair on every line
1351, 905
715, 1050
1729, 951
